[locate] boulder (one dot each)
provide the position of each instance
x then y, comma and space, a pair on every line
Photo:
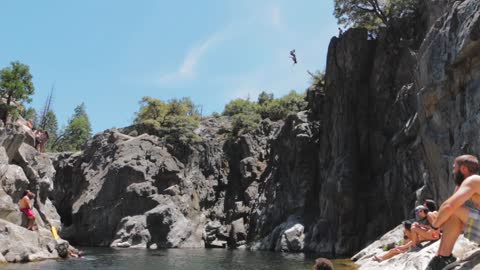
18, 244
62, 248
466, 251
132, 232
238, 233
293, 239
168, 227
13, 180
8, 210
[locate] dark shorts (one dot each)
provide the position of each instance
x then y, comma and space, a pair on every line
472, 228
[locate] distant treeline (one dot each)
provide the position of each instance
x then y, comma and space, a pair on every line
174, 120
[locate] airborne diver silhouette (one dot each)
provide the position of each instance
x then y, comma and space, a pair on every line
293, 56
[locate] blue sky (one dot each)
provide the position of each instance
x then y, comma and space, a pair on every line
110, 53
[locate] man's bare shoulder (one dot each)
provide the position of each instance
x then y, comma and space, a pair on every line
472, 182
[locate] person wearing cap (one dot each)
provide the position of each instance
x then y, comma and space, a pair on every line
422, 230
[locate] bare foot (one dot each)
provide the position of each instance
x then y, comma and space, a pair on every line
377, 259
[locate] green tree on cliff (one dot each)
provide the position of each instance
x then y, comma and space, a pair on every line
280, 108
264, 98
371, 14
15, 86
77, 132
151, 109
246, 115
240, 106
51, 126
30, 114
174, 120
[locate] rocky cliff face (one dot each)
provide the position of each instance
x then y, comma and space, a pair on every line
21, 168
379, 136
139, 191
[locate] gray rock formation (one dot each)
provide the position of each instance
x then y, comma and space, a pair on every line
128, 191
465, 251
292, 240
21, 168
378, 137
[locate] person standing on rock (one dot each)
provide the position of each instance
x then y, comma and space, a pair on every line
44, 140
38, 139
26, 208
456, 214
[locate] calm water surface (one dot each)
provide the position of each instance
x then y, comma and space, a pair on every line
179, 259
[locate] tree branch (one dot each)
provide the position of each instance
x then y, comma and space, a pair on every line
366, 9
379, 11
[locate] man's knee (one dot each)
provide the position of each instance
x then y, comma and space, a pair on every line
461, 214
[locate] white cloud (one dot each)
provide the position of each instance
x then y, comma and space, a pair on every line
275, 16
188, 67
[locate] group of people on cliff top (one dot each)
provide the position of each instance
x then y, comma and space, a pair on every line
41, 137
458, 214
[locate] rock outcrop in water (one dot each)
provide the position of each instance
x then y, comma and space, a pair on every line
21, 168
129, 191
380, 135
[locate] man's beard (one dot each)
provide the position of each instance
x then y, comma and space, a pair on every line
458, 177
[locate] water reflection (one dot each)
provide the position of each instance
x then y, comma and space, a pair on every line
179, 259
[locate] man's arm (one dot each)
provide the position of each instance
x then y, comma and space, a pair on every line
463, 193
29, 204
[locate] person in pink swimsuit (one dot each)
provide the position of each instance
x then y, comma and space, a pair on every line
26, 208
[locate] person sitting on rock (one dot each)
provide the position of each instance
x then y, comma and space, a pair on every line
26, 208
323, 264
422, 230
407, 236
460, 212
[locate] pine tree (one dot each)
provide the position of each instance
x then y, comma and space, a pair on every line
15, 86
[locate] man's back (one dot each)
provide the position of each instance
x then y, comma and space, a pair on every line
475, 182
24, 202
